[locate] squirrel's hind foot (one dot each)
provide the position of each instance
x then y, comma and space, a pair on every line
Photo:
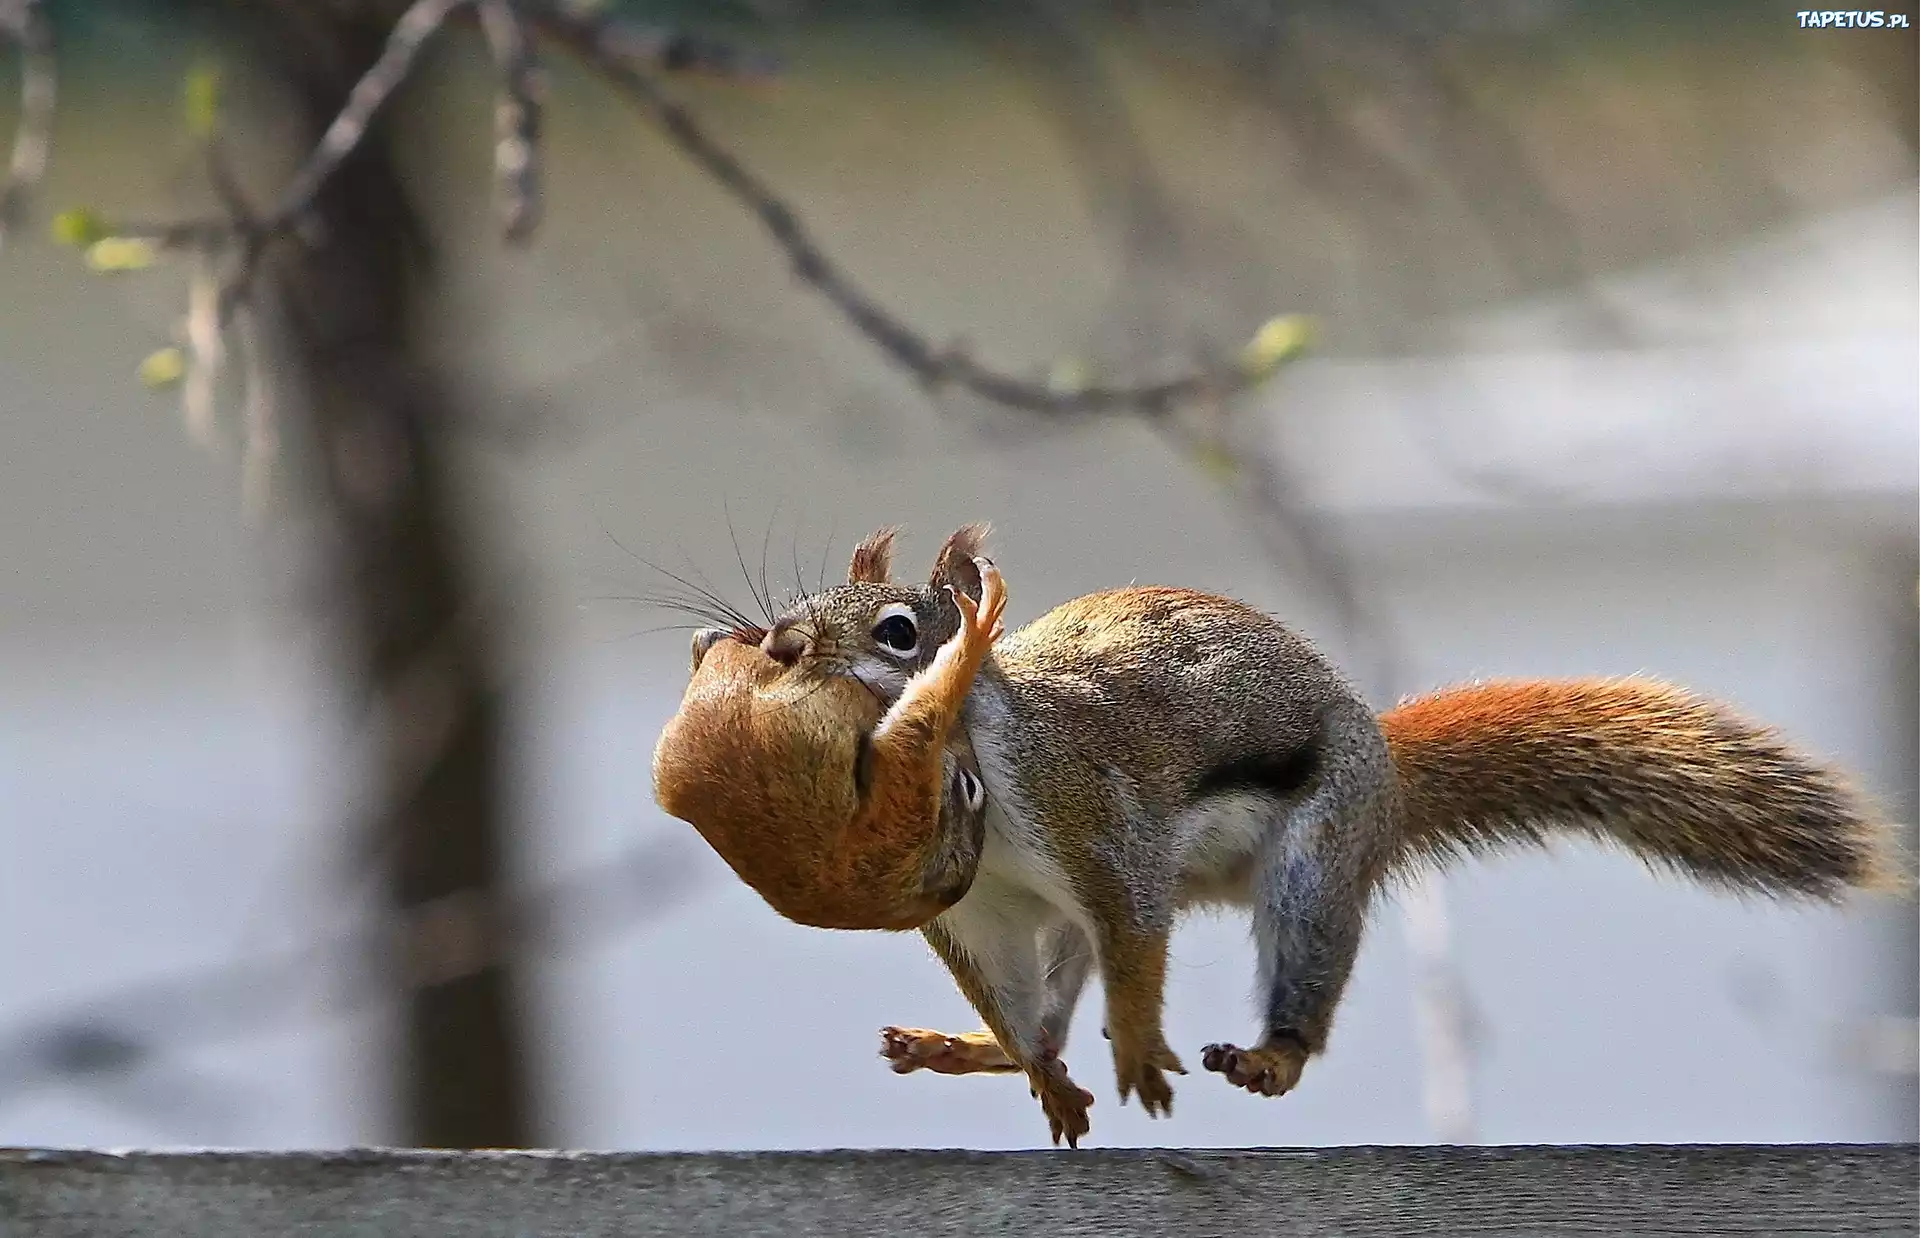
1065, 1102
1271, 1069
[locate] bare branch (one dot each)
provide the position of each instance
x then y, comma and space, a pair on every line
602, 47
421, 20
620, 53
24, 23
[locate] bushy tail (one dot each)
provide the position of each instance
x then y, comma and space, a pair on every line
1679, 781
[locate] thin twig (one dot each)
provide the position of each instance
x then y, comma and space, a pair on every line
516, 149
378, 84
254, 235
251, 234
259, 427
24, 23
246, 236
670, 49
206, 348
348, 127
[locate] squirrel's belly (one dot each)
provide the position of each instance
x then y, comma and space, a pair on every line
1216, 842
1015, 854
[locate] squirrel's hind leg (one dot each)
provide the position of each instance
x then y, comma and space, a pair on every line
1315, 870
1066, 960
990, 942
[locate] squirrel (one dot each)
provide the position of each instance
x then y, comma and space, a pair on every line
1148, 750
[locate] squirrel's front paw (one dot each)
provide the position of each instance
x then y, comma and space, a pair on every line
980, 624
1139, 1068
1269, 1070
908, 1049
1064, 1101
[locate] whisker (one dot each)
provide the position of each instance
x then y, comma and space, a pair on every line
651, 599
721, 611
799, 581
709, 617
700, 603
766, 542
740, 557
711, 589
873, 692
826, 552
670, 627
704, 592
616, 541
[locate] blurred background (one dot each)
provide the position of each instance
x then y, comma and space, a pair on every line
330, 655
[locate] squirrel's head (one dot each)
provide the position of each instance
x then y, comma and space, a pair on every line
873, 629
766, 756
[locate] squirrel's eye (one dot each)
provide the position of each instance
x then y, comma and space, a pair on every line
898, 633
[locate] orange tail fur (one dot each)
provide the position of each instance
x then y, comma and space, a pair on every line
1680, 781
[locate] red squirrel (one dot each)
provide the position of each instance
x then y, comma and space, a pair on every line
1143, 751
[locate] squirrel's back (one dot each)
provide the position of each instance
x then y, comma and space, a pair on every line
1181, 689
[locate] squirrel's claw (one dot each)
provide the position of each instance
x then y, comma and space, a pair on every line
1066, 1110
1063, 1101
1142, 1072
993, 599
981, 619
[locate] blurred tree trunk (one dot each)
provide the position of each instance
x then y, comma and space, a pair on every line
375, 420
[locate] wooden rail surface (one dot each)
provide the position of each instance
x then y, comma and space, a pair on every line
1114, 1193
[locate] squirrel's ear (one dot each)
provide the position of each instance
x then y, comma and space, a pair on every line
872, 559
955, 563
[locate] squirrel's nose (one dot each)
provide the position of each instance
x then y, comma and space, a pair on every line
785, 643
